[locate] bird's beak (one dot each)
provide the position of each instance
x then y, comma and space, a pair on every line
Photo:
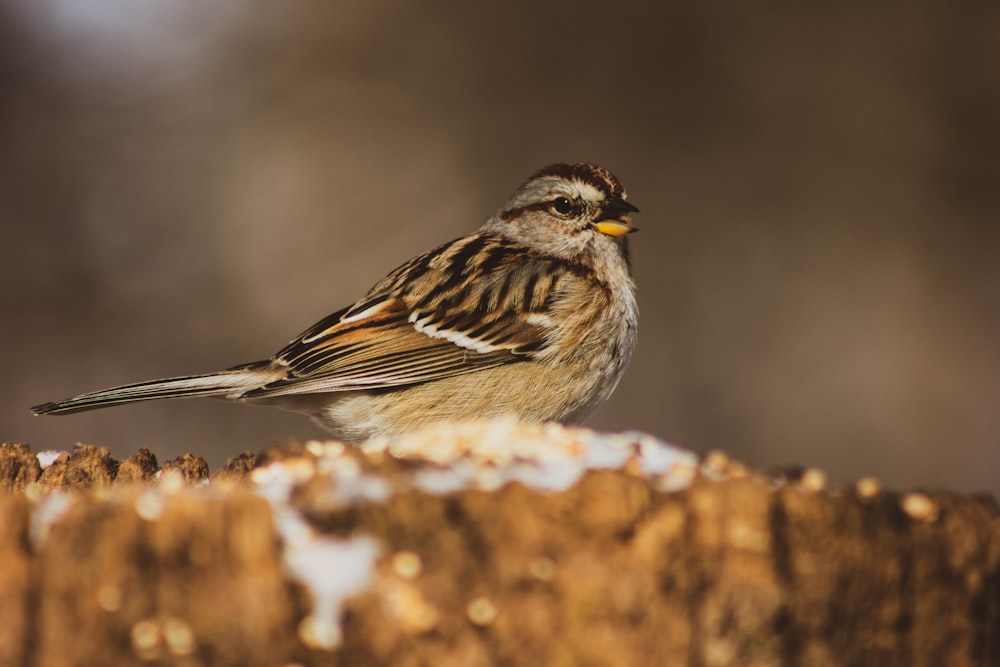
614, 219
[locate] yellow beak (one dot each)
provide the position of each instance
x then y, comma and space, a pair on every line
615, 227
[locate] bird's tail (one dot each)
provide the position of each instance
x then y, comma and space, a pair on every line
230, 383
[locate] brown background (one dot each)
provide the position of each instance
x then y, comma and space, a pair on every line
186, 185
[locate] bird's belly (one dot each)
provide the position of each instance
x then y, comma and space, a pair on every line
527, 390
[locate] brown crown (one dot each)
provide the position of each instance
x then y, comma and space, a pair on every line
585, 172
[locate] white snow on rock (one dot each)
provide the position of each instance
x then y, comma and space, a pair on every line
446, 458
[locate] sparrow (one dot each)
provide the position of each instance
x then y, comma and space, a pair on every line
532, 316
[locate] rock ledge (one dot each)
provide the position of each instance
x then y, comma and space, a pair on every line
481, 544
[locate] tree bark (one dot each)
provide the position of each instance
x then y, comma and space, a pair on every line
107, 563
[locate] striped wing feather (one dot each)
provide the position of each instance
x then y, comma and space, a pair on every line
437, 316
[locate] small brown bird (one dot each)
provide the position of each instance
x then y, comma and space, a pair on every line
534, 315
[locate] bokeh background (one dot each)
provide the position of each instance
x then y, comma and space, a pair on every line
186, 185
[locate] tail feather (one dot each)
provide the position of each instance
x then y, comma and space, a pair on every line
226, 383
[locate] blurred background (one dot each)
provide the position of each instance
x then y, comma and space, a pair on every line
186, 185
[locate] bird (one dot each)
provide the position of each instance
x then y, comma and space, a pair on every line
533, 316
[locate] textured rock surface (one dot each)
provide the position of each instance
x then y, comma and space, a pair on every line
423, 552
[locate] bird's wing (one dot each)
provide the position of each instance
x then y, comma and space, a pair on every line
475, 303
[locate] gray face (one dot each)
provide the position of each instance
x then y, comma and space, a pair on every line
573, 211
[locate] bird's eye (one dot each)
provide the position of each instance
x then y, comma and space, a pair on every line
562, 206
